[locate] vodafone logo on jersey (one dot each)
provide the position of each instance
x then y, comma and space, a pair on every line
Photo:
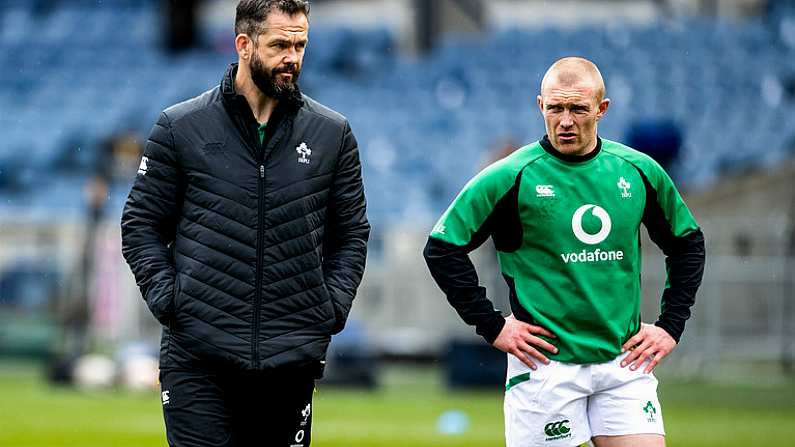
582, 235
597, 255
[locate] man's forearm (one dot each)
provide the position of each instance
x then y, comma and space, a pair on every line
685, 271
455, 274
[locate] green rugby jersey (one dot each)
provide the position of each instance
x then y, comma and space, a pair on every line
567, 233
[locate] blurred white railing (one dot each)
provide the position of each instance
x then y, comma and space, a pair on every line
744, 311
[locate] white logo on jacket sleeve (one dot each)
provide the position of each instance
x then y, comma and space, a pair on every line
303, 153
142, 168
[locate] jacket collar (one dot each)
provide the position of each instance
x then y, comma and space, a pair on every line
231, 97
550, 149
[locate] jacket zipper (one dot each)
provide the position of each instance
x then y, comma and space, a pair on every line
258, 270
262, 154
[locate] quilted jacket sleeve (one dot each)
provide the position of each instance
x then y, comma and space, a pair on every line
149, 220
347, 230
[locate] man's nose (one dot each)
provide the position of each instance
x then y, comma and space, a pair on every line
291, 56
566, 120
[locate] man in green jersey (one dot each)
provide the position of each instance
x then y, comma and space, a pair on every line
565, 214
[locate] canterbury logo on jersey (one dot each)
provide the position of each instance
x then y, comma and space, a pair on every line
544, 191
557, 430
591, 238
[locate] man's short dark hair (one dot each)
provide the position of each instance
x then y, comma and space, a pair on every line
252, 14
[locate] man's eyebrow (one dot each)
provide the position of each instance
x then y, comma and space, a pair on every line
282, 40
573, 105
293, 31
279, 39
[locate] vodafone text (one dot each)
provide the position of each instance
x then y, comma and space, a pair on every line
592, 256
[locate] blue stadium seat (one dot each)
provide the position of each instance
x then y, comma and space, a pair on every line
439, 115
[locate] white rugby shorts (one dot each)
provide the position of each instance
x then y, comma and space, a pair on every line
564, 404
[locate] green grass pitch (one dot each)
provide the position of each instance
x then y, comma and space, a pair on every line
402, 413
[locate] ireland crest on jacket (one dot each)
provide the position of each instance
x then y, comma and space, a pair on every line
303, 153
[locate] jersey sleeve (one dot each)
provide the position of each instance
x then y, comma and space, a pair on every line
487, 201
673, 228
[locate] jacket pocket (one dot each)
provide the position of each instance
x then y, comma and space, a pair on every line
328, 309
337, 319
175, 300
160, 298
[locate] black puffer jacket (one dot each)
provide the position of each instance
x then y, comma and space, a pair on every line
250, 256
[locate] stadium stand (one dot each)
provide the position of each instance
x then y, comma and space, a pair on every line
74, 72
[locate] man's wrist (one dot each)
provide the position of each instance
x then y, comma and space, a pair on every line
674, 330
490, 328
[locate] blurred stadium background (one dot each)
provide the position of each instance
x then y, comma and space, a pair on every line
434, 90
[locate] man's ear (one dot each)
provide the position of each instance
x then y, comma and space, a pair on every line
244, 46
602, 108
540, 102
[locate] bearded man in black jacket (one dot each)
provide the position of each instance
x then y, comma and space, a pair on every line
246, 231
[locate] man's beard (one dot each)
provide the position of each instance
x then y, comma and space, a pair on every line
268, 82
